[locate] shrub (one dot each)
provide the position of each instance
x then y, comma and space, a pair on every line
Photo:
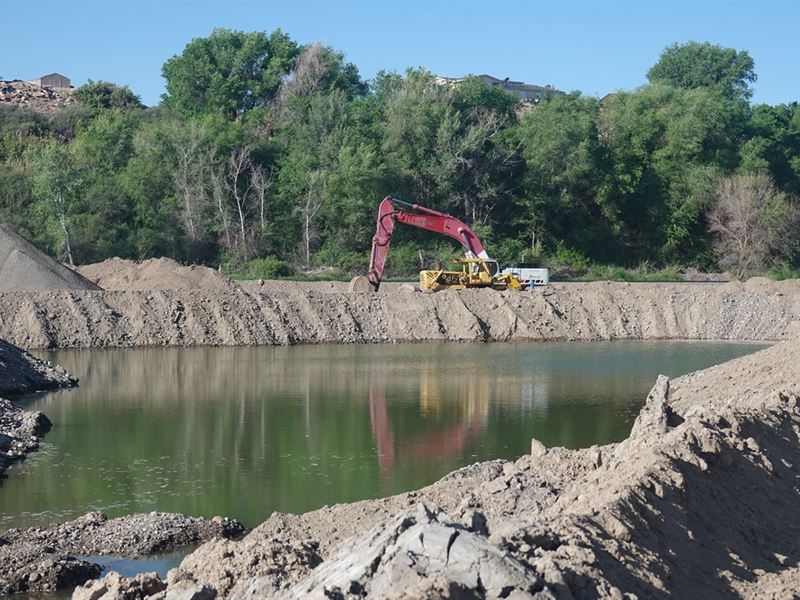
269, 267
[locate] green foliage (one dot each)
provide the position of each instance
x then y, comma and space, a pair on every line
100, 95
569, 257
229, 72
268, 267
266, 153
784, 271
56, 186
694, 65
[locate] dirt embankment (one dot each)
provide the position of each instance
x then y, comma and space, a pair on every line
699, 502
595, 311
22, 373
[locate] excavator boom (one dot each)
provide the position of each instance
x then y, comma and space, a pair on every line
424, 218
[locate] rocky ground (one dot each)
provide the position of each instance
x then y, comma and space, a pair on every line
41, 99
21, 373
701, 501
44, 559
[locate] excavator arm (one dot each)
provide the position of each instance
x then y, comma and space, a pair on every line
392, 210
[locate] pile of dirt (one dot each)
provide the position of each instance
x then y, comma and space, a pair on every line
41, 99
44, 559
700, 501
233, 316
153, 274
23, 267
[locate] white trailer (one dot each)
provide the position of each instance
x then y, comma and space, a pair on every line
529, 274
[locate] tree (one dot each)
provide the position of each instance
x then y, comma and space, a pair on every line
565, 198
753, 223
101, 95
772, 144
694, 64
229, 71
56, 183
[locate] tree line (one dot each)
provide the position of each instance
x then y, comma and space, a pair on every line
266, 156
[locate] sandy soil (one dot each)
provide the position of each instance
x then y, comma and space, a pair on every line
153, 274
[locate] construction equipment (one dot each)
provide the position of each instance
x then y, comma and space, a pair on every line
477, 269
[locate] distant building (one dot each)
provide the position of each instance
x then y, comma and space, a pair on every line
53, 80
526, 92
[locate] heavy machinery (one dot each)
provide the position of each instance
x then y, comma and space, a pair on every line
477, 269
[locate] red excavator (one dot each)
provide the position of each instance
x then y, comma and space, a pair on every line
477, 269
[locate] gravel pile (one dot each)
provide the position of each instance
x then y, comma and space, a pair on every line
23, 267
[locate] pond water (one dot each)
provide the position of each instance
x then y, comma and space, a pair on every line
243, 432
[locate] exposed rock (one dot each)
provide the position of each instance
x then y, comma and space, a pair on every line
41, 99
20, 373
112, 586
23, 373
402, 555
43, 559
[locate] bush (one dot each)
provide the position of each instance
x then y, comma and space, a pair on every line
346, 261
268, 267
784, 271
568, 259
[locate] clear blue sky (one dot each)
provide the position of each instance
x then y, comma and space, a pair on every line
596, 47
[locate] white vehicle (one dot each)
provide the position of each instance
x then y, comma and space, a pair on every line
529, 274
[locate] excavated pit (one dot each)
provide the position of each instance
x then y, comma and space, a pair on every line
700, 501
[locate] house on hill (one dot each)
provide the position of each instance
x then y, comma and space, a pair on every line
53, 80
525, 92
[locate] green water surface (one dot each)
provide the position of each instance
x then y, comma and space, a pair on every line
243, 432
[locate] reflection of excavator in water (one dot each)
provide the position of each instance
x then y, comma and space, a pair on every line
477, 269
450, 441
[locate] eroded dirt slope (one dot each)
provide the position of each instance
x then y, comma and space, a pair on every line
234, 316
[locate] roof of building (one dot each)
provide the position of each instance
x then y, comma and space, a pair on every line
53, 75
507, 83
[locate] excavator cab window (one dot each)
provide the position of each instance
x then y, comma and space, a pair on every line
493, 267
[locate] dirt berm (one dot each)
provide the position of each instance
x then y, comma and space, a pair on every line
701, 501
236, 316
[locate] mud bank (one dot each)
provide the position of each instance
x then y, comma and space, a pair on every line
44, 559
21, 373
699, 502
237, 316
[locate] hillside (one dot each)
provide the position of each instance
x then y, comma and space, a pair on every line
41, 99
